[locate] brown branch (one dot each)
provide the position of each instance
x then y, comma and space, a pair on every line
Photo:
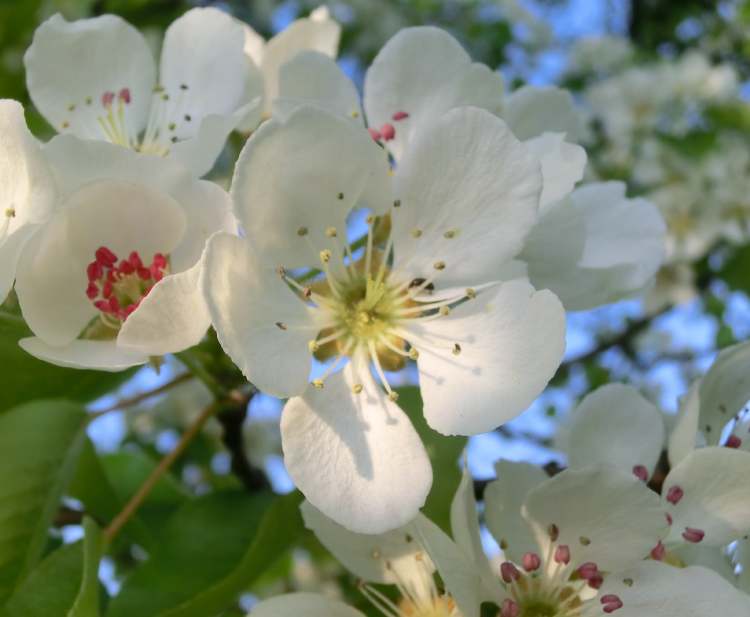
138, 398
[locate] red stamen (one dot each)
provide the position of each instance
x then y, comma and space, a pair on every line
375, 134
691, 534
144, 273
610, 603
640, 472
562, 554
388, 131
107, 289
510, 609
733, 442
509, 572
135, 259
126, 267
669, 518
125, 95
105, 257
596, 581
108, 98
92, 291
400, 115
531, 562
658, 552
94, 271
674, 495
588, 570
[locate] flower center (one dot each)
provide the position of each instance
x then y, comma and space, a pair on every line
367, 309
441, 606
117, 287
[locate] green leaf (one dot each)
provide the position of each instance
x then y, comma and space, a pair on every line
444, 453
65, 584
209, 551
40, 442
735, 270
26, 378
279, 530
87, 602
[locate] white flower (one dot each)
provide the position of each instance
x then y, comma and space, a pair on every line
705, 494
464, 196
112, 277
26, 190
318, 33
97, 79
612, 246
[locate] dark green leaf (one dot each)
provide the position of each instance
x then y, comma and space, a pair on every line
87, 602
40, 442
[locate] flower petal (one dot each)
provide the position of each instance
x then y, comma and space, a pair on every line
172, 317
302, 603
510, 342
603, 515
322, 165
312, 78
315, 33
51, 280
71, 65
653, 589
503, 500
425, 72
531, 111
716, 495
614, 425
364, 555
203, 68
472, 190
260, 323
356, 457
98, 355
684, 435
562, 165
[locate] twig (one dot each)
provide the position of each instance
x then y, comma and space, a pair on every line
142, 396
197, 369
140, 496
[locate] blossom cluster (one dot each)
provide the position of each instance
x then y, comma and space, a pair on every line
437, 225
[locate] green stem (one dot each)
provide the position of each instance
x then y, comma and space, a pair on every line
195, 366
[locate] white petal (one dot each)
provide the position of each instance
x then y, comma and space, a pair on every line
614, 425
682, 439
459, 573
315, 33
255, 44
465, 174
70, 65
207, 207
724, 390
364, 555
425, 72
321, 166
10, 254
203, 67
260, 323
51, 280
302, 603
99, 355
503, 500
356, 457
531, 111
623, 246
172, 317
716, 496
312, 78
653, 589
562, 165
465, 529
511, 342
603, 515
712, 557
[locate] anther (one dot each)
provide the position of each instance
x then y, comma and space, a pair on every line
588, 570
281, 271
416, 233
669, 518
584, 541
531, 562
370, 219
691, 534
611, 603
444, 310
340, 196
400, 115
471, 293
674, 495
456, 349
451, 233
510, 609
108, 98
439, 265
354, 114
393, 396
553, 532
357, 388
733, 442
331, 232
640, 472
281, 325
596, 581
317, 384
10, 212
375, 134
302, 231
562, 554
307, 292
388, 131
313, 346
325, 256
397, 203
413, 353
658, 552
124, 95
509, 572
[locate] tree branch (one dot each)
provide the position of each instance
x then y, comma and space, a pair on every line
138, 398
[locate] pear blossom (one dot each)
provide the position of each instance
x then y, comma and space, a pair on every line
26, 190
318, 32
111, 277
420, 288
96, 79
706, 494
612, 245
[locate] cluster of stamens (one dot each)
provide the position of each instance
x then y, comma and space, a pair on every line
365, 308
387, 132
553, 587
165, 117
690, 534
117, 287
